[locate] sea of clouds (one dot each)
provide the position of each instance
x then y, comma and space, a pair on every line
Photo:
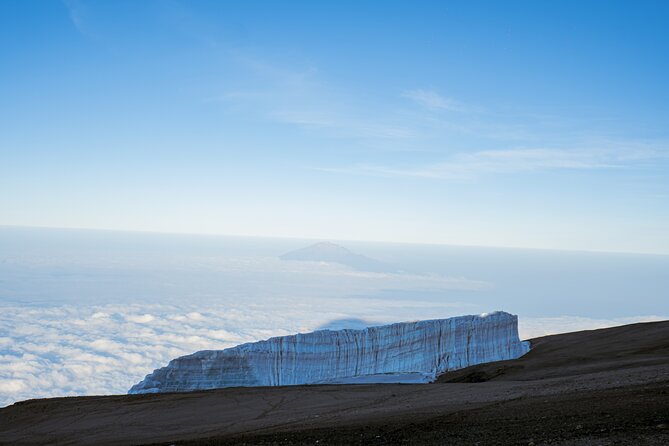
97, 350
93, 317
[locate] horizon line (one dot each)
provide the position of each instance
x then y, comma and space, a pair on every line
329, 239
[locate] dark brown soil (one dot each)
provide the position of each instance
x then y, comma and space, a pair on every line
595, 387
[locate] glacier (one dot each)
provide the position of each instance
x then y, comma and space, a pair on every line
408, 352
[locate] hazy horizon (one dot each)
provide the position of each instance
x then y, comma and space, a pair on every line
322, 239
90, 312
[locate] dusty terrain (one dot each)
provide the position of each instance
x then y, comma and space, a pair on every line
597, 387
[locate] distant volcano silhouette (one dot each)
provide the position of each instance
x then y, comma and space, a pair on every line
332, 253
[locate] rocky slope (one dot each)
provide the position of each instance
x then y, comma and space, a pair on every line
402, 352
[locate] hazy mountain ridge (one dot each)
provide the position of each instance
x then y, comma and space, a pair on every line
332, 253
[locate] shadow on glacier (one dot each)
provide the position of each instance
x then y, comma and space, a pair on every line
350, 323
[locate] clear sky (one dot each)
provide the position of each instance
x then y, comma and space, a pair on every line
532, 124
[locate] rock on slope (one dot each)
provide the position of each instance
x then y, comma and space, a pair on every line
402, 352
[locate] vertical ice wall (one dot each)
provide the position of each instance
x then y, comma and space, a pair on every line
402, 352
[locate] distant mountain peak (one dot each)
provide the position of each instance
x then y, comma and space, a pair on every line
333, 253
327, 247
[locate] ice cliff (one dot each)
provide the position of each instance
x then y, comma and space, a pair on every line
402, 352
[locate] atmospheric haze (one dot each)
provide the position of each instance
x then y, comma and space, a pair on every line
92, 312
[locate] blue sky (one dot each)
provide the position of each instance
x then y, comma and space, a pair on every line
530, 124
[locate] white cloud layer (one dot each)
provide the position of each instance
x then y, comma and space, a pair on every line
96, 350
67, 350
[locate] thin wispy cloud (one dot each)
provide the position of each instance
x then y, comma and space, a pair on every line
75, 12
341, 125
301, 96
474, 164
432, 100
